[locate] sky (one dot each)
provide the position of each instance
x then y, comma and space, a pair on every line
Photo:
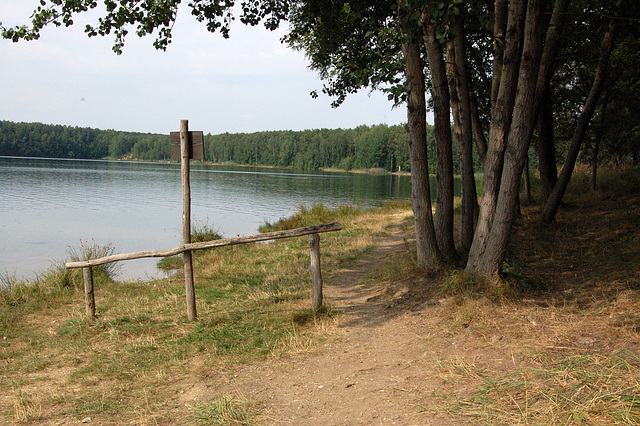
247, 83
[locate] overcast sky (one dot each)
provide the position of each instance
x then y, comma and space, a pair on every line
247, 83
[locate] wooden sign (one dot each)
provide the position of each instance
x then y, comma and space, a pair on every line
196, 145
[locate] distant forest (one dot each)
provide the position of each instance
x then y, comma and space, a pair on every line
365, 147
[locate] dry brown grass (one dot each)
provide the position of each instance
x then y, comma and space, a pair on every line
562, 343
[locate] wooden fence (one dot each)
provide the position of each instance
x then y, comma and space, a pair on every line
314, 247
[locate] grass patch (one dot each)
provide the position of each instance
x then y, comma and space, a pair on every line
223, 411
542, 389
305, 216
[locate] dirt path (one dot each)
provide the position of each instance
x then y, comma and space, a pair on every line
374, 375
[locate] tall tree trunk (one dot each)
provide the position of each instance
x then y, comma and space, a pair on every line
501, 112
478, 132
596, 145
442, 134
546, 148
543, 107
460, 89
427, 246
551, 42
527, 182
551, 208
488, 262
500, 13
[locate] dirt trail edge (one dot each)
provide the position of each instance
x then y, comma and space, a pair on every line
376, 374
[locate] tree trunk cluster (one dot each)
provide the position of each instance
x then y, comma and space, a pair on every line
526, 36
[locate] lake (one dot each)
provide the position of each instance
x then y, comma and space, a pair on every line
49, 205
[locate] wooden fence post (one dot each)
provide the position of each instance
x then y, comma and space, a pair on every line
87, 275
186, 220
316, 274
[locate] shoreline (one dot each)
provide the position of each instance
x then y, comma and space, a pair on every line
374, 171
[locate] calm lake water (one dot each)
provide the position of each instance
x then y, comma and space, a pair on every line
49, 205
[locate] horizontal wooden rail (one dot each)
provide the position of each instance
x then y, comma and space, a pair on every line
314, 246
308, 230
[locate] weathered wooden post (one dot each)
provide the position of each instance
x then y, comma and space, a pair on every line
185, 156
89, 299
316, 274
186, 145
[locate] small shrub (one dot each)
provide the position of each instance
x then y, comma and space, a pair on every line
378, 171
201, 232
462, 284
58, 276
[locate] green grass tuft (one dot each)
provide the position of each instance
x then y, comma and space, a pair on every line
200, 232
222, 411
305, 216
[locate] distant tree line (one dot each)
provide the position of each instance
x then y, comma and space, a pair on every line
364, 147
56, 141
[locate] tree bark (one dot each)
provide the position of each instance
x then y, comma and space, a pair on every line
551, 208
543, 107
596, 145
552, 39
478, 132
527, 182
442, 133
460, 89
501, 112
546, 148
488, 261
427, 246
500, 13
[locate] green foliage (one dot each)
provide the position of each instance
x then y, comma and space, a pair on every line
151, 147
55, 141
352, 46
364, 147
